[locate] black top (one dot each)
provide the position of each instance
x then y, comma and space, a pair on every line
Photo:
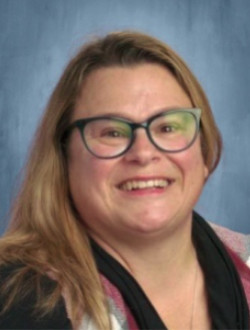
21, 315
227, 301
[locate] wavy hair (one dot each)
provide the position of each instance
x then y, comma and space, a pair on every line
45, 234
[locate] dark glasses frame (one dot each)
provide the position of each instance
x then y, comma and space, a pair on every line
81, 124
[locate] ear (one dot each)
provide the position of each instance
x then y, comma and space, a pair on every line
206, 172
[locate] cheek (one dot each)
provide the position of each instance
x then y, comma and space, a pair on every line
88, 174
195, 170
97, 171
191, 165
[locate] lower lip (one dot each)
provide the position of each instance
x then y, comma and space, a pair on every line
145, 191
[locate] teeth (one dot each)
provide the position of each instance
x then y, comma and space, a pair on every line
130, 185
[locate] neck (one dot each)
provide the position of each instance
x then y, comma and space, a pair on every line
166, 268
156, 259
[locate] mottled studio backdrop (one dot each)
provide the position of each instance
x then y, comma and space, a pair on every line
37, 37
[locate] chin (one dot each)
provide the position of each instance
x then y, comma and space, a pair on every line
160, 222
149, 225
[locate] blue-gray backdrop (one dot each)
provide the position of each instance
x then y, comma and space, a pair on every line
37, 37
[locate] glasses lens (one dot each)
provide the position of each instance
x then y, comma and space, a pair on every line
107, 137
174, 131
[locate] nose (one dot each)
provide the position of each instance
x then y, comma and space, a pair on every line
142, 150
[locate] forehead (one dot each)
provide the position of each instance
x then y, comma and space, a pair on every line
134, 92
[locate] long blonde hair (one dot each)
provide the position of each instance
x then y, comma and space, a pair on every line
45, 234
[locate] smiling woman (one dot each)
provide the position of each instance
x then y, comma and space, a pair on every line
103, 234
149, 88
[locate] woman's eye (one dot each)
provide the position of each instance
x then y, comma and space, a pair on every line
169, 128
112, 133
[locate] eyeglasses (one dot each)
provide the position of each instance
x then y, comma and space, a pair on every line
110, 137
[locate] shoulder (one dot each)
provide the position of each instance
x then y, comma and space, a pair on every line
238, 247
237, 242
21, 313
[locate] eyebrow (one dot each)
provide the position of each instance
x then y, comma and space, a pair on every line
113, 114
123, 116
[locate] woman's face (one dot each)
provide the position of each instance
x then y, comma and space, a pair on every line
135, 93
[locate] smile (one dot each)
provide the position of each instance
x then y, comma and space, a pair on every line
144, 184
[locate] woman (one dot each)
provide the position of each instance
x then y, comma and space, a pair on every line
103, 235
